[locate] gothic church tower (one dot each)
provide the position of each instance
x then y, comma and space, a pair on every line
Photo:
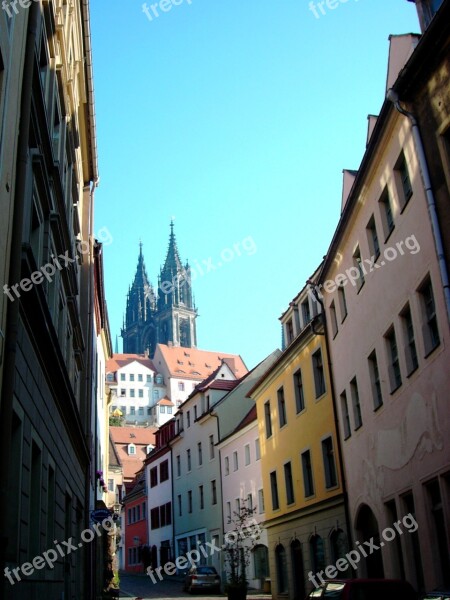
168, 318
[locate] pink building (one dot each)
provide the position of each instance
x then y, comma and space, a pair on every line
388, 332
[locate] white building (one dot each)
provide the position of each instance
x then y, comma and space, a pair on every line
158, 469
242, 486
184, 368
137, 389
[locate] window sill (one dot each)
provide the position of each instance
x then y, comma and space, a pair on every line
388, 235
393, 390
430, 352
377, 408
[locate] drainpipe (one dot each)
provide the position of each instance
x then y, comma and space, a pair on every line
335, 413
12, 323
392, 96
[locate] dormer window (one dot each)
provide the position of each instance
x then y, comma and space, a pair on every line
131, 450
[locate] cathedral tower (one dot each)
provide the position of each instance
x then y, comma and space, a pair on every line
167, 318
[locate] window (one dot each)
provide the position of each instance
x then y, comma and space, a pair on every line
195, 412
319, 375
274, 489
154, 518
430, 329
235, 461
345, 415
188, 456
132, 410
211, 447
395, 375
257, 450
333, 319
141, 393
149, 378
410, 343
299, 393
199, 453
201, 497
228, 512
180, 386
289, 331
250, 502
237, 503
329, 463
131, 449
268, 419
357, 263
227, 465
180, 506
342, 303
178, 462
289, 483
123, 392
213, 492
372, 238
354, 391
375, 381
122, 377
164, 471
307, 474
141, 411
306, 313
189, 501
162, 409
154, 477
188, 418
261, 508
110, 485
132, 393
403, 181
131, 377
386, 213
247, 454
281, 407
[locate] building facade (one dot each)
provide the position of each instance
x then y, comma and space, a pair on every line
384, 289
168, 316
49, 173
301, 471
138, 391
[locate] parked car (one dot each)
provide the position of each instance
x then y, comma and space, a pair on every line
365, 589
202, 578
437, 595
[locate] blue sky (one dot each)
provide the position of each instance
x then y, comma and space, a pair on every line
236, 118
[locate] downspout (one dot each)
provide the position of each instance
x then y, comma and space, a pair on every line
335, 413
211, 412
13, 314
392, 96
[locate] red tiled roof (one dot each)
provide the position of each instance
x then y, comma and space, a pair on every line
192, 363
165, 402
122, 360
133, 435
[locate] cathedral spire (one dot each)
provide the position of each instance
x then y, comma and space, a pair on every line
173, 262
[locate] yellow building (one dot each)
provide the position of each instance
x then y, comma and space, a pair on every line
302, 479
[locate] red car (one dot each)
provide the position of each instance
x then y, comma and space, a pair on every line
365, 589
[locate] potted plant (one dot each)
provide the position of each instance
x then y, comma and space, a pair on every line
239, 543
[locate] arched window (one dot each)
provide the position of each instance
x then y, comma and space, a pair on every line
280, 560
317, 549
339, 548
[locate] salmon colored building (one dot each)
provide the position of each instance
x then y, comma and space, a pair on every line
384, 290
